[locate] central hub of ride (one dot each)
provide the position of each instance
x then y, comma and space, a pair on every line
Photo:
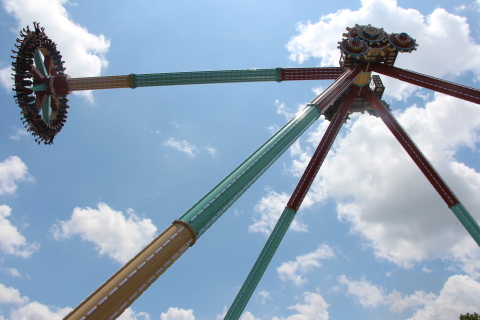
370, 44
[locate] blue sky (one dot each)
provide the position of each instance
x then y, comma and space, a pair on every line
372, 240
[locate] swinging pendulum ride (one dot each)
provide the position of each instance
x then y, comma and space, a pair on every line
41, 92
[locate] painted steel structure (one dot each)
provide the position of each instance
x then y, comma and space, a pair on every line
42, 88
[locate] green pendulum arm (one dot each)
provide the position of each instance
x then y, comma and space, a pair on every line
208, 209
202, 77
291, 209
225, 76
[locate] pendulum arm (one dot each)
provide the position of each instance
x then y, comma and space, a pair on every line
428, 82
121, 290
447, 195
291, 209
203, 77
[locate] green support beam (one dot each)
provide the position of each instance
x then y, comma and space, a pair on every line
224, 76
208, 209
467, 221
261, 265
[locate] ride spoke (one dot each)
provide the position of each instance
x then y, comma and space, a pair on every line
46, 109
440, 186
38, 77
40, 99
39, 64
450, 88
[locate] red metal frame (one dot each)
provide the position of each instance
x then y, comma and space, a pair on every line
412, 150
335, 90
291, 74
432, 83
322, 150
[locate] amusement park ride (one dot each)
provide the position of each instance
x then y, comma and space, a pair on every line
41, 92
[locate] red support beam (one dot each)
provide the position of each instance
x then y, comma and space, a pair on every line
335, 90
412, 150
428, 82
322, 150
290, 74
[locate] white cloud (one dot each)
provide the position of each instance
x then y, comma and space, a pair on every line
315, 308
294, 270
12, 170
319, 40
177, 314
265, 295
33, 310
248, 316
6, 78
212, 151
38, 311
459, 295
129, 314
12, 241
113, 233
83, 52
283, 110
267, 212
11, 295
18, 133
398, 302
12, 272
426, 270
365, 293
182, 145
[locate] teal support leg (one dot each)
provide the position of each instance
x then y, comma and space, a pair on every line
467, 221
261, 265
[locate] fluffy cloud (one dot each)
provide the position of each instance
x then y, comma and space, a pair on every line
12, 272
247, 316
399, 302
11, 295
183, 146
113, 233
18, 133
267, 212
12, 171
83, 52
459, 53
294, 270
38, 311
265, 295
459, 295
32, 311
365, 293
314, 308
12, 241
129, 314
177, 314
